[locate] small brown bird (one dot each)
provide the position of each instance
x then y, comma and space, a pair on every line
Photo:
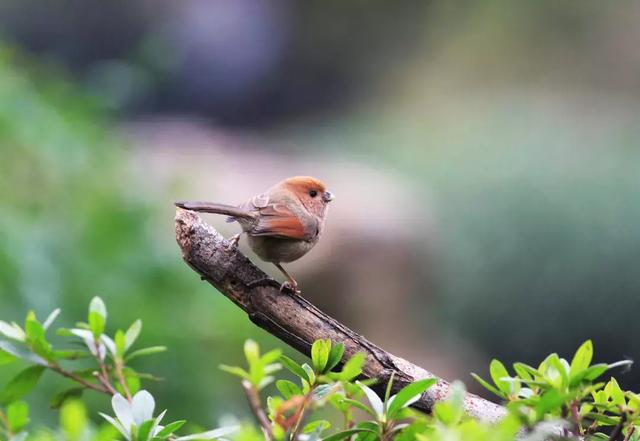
282, 224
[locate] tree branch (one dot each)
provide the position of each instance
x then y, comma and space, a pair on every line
297, 322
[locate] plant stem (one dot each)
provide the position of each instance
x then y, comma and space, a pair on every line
121, 378
256, 407
56, 368
631, 430
5, 423
617, 431
575, 414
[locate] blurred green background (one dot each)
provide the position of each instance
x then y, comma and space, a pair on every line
485, 157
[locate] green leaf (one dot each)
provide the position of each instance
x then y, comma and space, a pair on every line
235, 370
12, 331
132, 334
71, 354
347, 433
170, 429
73, 420
582, 358
353, 367
120, 341
6, 358
408, 394
17, 416
36, 338
145, 351
524, 371
288, 389
96, 323
51, 318
387, 392
451, 410
320, 354
550, 401
487, 385
359, 405
294, 367
320, 425
145, 430
498, 372
61, 397
615, 393
271, 356
97, 306
97, 316
22, 353
21, 384
252, 352
335, 356
310, 374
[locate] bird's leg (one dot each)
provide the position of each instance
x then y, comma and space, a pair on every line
233, 241
290, 284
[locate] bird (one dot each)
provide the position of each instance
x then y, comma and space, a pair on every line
282, 224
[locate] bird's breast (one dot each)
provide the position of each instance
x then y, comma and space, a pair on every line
273, 249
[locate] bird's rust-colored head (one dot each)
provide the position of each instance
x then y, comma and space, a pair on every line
312, 193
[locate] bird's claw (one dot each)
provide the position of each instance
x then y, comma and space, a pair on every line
291, 287
233, 242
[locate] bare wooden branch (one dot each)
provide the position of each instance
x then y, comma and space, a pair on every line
294, 320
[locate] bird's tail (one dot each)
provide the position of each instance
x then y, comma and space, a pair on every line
212, 207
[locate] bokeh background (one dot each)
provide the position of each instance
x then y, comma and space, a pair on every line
484, 156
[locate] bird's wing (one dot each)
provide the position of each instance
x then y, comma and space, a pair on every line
277, 220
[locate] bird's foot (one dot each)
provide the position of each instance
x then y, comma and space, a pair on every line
233, 242
291, 287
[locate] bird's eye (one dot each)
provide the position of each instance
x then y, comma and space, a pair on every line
313, 193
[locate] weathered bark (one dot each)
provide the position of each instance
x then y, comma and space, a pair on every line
294, 320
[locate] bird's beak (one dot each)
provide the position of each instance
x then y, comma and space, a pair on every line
327, 196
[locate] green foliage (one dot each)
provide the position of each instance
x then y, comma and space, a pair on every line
555, 398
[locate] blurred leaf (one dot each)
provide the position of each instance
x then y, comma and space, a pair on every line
320, 425
212, 434
288, 388
487, 385
145, 351
17, 416
311, 376
346, 434
294, 367
235, 370
6, 358
97, 316
251, 352
132, 333
36, 336
61, 397
51, 318
21, 384
353, 367
120, 343
73, 420
12, 331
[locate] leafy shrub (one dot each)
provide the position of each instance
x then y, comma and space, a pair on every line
556, 400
